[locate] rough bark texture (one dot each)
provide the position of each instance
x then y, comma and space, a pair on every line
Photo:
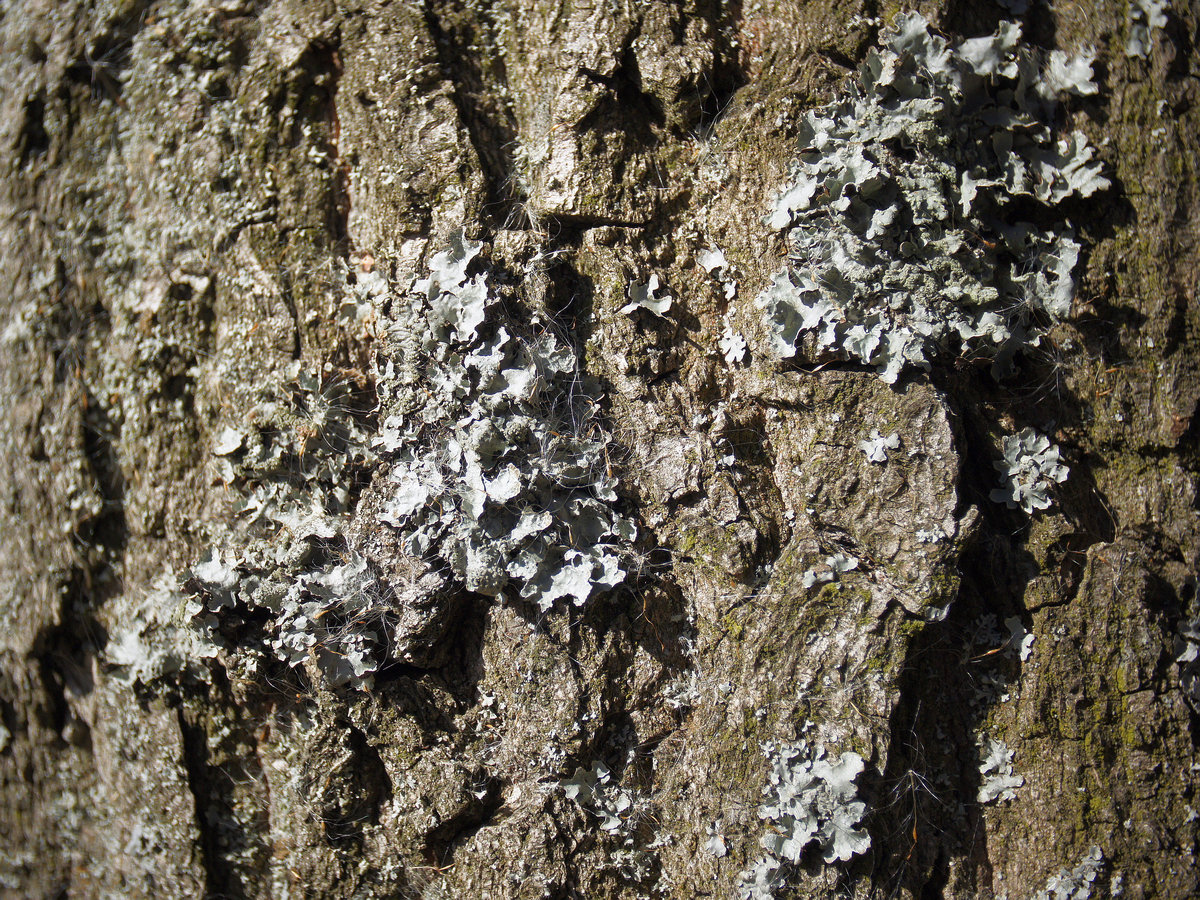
182, 181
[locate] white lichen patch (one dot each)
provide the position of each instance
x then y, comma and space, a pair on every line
1020, 639
647, 296
732, 345
490, 464
597, 791
1187, 655
901, 214
1076, 883
713, 259
499, 462
834, 567
998, 779
1145, 17
877, 445
714, 262
163, 634
716, 843
1031, 465
811, 799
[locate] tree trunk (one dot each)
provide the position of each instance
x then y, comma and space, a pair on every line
319, 553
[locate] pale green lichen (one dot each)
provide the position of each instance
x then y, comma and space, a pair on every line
494, 446
906, 242
810, 799
999, 780
491, 464
1031, 465
1076, 883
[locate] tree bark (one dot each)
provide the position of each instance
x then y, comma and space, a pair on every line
191, 192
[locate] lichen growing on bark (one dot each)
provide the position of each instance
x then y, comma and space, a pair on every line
215, 214
906, 210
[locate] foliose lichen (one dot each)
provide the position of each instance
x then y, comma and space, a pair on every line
906, 210
833, 568
491, 464
810, 799
159, 641
597, 791
646, 296
280, 580
1031, 464
1145, 16
877, 445
998, 779
499, 463
732, 345
1187, 655
1077, 883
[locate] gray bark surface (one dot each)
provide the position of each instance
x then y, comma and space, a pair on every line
186, 185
